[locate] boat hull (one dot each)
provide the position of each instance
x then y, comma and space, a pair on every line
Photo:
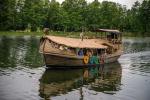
62, 61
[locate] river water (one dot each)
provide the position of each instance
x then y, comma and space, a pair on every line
23, 76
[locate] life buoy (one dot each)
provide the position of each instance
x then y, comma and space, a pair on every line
86, 59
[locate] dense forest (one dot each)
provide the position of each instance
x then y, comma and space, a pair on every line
73, 15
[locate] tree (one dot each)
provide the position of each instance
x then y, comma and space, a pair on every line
144, 16
135, 17
53, 16
19, 21
32, 13
71, 9
7, 14
112, 15
93, 15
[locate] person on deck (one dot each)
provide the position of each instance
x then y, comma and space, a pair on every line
46, 27
102, 61
46, 31
80, 53
81, 35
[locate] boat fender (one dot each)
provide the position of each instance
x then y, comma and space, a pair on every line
86, 59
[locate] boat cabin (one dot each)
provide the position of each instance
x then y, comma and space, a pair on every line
74, 46
113, 36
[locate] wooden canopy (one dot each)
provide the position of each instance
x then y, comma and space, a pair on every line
78, 43
108, 30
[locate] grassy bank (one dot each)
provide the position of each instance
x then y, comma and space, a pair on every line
21, 33
9, 33
130, 34
69, 34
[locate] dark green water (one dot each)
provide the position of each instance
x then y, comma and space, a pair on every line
23, 76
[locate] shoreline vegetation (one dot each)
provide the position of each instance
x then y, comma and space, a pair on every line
73, 16
67, 34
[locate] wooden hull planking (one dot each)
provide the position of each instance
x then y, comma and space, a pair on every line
61, 61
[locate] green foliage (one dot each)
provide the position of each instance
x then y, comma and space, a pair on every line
7, 14
144, 18
73, 15
138, 18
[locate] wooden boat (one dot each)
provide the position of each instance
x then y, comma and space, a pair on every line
64, 51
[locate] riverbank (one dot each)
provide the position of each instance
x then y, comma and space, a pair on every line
19, 33
69, 34
130, 34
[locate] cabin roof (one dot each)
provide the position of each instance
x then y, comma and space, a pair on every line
108, 30
78, 43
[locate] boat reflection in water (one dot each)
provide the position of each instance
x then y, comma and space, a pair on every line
107, 80
58, 82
